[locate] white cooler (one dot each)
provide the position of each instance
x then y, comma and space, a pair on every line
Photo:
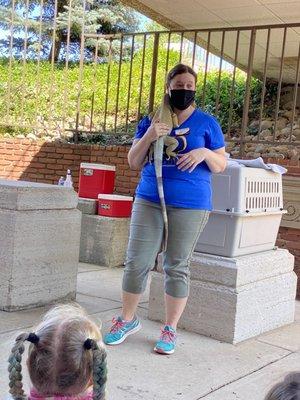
247, 210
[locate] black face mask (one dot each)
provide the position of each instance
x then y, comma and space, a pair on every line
182, 98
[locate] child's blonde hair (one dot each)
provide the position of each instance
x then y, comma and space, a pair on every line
63, 356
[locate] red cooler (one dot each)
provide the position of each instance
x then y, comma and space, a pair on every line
95, 179
113, 205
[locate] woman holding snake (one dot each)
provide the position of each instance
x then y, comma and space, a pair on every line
197, 150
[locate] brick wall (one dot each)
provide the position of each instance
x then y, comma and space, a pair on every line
46, 162
289, 238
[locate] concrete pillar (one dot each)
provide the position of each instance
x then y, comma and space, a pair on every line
39, 244
234, 299
87, 206
103, 239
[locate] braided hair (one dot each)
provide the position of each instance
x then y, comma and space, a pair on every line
99, 369
15, 365
61, 359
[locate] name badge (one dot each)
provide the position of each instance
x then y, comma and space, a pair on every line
181, 132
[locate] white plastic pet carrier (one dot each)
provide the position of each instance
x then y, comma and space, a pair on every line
247, 210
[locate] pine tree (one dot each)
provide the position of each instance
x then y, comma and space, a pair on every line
98, 16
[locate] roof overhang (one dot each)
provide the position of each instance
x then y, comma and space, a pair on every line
232, 14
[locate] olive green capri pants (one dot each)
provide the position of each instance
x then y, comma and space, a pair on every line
146, 233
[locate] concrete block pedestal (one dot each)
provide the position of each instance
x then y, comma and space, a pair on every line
103, 239
87, 206
234, 299
39, 244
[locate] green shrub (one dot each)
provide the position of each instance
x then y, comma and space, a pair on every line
52, 94
234, 107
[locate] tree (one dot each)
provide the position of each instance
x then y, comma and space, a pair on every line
98, 16
153, 26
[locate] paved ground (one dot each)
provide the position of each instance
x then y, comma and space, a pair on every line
201, 368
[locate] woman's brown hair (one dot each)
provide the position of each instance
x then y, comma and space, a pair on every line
180, 69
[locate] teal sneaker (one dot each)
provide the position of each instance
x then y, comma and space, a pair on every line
121, 329
167, 341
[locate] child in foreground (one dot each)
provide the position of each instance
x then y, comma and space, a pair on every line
289, 389
66, 358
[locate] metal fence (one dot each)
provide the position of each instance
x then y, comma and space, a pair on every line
247, 77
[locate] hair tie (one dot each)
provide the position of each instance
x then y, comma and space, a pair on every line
88, 344
33, 338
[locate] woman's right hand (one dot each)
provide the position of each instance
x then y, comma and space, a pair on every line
156, 130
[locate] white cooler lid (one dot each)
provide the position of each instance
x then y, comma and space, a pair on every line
98, 166
114, 197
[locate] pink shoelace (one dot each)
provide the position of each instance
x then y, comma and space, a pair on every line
117, 324
167, 336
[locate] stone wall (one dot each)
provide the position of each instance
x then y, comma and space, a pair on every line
22, 159
289, 233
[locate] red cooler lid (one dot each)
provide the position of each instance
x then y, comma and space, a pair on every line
98, 166
114, 197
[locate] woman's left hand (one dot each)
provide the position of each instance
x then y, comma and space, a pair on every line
191, 159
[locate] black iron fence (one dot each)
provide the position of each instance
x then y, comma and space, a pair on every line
248, 78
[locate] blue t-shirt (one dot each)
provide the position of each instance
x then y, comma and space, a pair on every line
182, 189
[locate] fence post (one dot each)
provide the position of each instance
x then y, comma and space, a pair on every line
247, 91
82, 44
153, 72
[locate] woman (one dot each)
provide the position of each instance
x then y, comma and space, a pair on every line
192, 152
